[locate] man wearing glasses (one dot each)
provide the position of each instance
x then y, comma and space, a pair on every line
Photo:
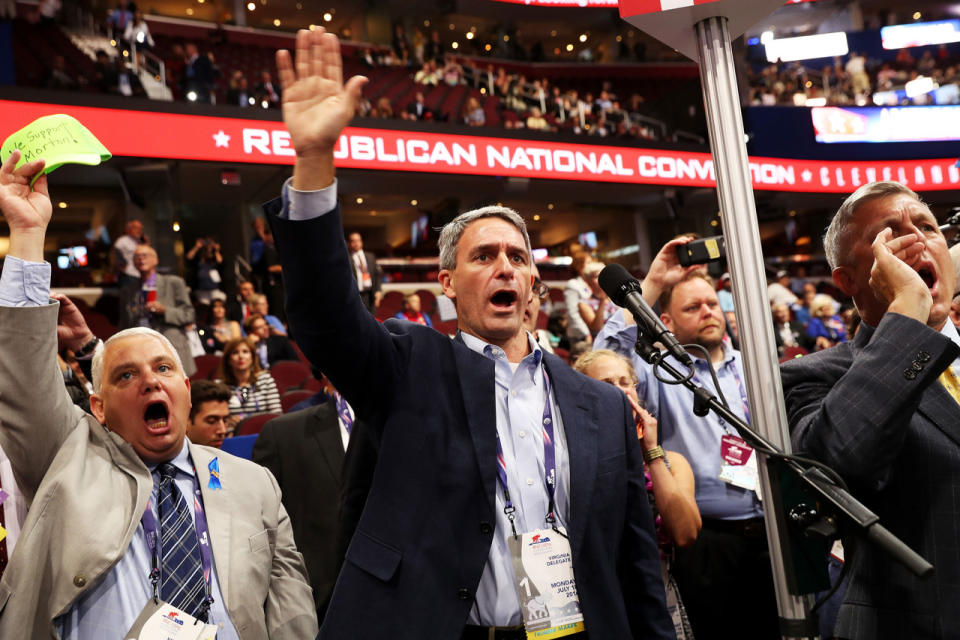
539, 293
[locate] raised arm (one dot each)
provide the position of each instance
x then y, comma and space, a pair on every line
37, 414
665, 271
323, 306
673, 487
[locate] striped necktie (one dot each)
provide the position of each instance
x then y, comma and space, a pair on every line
181, 573
343, 410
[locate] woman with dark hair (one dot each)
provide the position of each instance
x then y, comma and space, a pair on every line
253, 389
219, 329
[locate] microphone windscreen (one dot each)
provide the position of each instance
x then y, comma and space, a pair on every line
616, 282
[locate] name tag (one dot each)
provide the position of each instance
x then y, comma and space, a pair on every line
543, 570
738, 463
162, 621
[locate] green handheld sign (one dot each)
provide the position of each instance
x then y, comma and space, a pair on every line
59, 139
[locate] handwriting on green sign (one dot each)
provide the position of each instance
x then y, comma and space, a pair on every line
59, 139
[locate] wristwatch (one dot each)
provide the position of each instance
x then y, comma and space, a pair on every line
87, 350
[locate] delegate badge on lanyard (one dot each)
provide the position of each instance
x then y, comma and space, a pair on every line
738, 463
543, 570
162, 621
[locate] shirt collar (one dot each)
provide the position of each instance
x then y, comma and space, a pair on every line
950, 331
181, 461
496, 353
729, 355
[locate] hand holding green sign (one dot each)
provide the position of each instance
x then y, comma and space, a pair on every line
59, 139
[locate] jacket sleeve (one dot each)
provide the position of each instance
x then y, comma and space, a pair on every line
333, 328
36, 414
852, 412
179, 310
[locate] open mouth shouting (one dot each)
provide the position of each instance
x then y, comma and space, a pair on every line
504, 300
928, 276
156, 417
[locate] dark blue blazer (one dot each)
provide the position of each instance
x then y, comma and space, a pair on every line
415, 562
873, 410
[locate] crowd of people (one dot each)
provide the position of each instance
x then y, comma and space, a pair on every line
855, 79
538, 105
194, 74
472, 486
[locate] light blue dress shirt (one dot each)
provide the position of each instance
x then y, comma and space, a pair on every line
520, 397
109, 609
698, 439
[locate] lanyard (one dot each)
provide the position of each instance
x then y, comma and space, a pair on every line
549, 463
743, 393
151, 531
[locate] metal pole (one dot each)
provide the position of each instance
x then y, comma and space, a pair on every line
742, 237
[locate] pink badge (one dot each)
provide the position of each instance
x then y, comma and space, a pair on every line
734, 450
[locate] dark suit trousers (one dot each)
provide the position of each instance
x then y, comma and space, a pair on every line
726, 585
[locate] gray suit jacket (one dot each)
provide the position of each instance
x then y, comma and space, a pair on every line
87, 490
873, 410
174, 294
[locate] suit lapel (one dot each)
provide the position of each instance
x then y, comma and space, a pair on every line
324, 428
577, 409
477, 389
217, 509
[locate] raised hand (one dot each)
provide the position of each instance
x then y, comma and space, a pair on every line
317, 105
893, 278
665, 270
26, 209
72, 330
646, 424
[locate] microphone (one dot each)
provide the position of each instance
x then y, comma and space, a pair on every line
625, 292
953, 221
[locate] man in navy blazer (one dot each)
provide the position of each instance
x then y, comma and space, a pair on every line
429, 559
878, 411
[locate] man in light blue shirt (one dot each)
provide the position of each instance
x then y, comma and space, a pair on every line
728, 565
83, 564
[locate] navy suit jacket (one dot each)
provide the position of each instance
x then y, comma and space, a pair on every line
415, 562
873, 410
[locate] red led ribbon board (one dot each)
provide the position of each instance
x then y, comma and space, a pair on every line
636, 7
231, 140
604, 4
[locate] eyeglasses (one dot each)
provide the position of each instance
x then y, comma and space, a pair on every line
541, 289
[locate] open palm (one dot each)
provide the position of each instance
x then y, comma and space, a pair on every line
316, 103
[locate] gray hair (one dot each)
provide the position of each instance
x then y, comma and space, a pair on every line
96, 367
837, 235
451, 232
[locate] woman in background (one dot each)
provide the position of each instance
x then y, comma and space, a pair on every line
253, 389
